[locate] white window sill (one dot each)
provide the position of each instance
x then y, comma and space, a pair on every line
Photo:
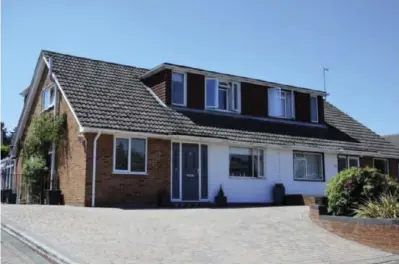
234, 177
118, 172
223, 110
180, 105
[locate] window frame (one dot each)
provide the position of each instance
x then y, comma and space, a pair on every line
323, 179
184, 89
282, 96
49, 89
128, 171
347, 158
230, 95
382, 159
258, 149
317, 109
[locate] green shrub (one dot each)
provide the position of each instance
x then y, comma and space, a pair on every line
352, 187
5, 150
387, 206
33, 169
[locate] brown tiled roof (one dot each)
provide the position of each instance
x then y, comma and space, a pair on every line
111, 96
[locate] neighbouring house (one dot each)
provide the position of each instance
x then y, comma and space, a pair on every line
393, 138
134, 132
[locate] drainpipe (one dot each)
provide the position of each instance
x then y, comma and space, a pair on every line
93, 181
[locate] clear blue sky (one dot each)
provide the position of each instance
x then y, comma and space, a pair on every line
283, 41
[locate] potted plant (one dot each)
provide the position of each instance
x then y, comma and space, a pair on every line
220, 198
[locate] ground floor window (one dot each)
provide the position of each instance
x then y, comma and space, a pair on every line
130, 155
7, 173
308, 166
246, 162
345, 162
381, 165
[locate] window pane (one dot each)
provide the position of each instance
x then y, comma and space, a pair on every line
121, 153
288, 105
282, 108
45, 99
222, 99
211, 87
137, 155
261, 163
52, 96
353, 162
299, 168
313, 109
274, 102
341, 163
314, 168
177, 88
235, 96
381, 165
241, 162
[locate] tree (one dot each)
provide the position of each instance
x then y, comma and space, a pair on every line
6, 138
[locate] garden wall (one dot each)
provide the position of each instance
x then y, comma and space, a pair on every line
378, 233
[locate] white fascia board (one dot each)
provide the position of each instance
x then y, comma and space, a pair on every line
63, 94
195, 139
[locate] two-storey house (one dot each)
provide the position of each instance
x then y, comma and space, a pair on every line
132, 132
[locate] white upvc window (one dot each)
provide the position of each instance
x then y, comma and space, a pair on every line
381, 165
345, 162
130, 155
314, 110
179, 89
281, 103
246, 162
48, 97
222, 95
308, 166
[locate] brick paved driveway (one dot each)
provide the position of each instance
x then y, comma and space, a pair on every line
251, 235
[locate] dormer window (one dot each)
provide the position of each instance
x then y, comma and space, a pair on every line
179, 90
281, 103
222, 95
48, 98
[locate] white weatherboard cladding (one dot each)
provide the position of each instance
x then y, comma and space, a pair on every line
279, 169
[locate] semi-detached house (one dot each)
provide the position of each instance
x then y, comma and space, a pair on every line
134, 132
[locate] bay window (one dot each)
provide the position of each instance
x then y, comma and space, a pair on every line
308, 166
179, 89
281, 103
130, 155
246, 162
222, 95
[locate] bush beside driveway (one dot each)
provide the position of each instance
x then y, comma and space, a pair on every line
239, 235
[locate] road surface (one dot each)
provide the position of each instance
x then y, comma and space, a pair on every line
14, 251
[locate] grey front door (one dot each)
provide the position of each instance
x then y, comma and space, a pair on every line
190, 177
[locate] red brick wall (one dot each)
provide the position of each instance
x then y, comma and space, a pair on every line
302, 106
195, 91
113, 189
70, 158
382, 236
254, 100
160, 84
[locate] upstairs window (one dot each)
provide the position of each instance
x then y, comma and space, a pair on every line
381, 165
222, 95
48, 98
281, 103
314, 115
178, 89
